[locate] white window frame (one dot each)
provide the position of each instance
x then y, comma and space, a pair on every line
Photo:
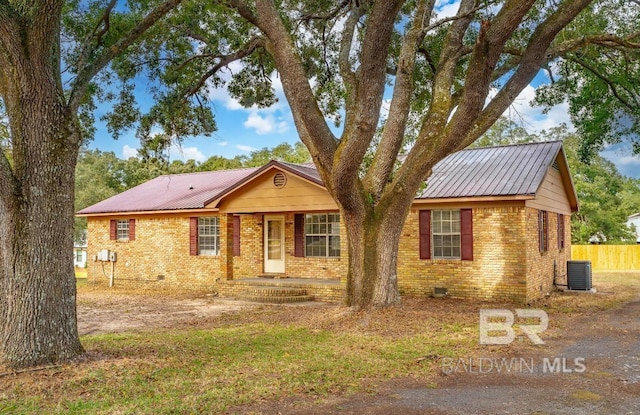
122, 230
445, 230
209, 235
322, 229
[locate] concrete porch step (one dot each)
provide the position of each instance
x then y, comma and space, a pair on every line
275, 295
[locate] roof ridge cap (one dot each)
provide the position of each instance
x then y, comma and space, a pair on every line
513, 145
207, 172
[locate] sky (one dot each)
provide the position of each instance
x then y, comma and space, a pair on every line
242, 130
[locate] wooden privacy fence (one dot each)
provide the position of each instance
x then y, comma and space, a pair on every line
609, 257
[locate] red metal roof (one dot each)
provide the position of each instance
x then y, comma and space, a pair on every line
489, 171
170, 192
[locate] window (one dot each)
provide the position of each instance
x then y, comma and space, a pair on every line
445, 226
79, 255
560, 231
448, 236
209, 236
322, 235
122, 230
543, 230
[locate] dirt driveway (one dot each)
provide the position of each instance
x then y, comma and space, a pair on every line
598, 373
101, 312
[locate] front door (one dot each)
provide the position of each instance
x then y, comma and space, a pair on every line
274, 244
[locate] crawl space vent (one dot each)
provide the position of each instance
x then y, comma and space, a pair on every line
279, 180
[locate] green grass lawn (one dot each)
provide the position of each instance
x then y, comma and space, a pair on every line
268, 354
208, 371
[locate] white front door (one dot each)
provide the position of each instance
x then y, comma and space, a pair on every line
274, 244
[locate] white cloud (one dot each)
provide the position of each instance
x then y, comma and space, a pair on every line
533, 118
384, 108
186, 153
622, 156
276, 119
223, 143
265, 123
447, 8
246, 148
176, 152
128, 152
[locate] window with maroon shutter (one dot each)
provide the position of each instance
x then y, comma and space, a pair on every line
466, 234
543, 230
193, 236
236, 236
560, 231
113, 229
424, 226
298, 237
132, 229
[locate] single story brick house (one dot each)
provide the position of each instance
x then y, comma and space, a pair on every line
491, 223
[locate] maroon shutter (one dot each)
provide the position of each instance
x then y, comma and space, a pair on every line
236, 236
540, 232
193, 236
546, 229
424, 226
560, 231
113, 226
466, 234
132, 229
298, 239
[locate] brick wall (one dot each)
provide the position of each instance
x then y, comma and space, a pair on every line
540, 265
161, 248
507, 264
249, 263
497, 272
331, 268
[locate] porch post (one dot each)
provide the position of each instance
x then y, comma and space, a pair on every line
226, 246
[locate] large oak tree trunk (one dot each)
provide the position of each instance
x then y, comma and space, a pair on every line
373, 237
37, 283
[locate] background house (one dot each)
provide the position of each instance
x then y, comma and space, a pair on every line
492, 223
80, 251
79, 255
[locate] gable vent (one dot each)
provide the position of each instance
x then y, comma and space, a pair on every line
555, 165
279, 180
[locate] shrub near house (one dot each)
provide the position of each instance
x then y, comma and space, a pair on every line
492, 223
